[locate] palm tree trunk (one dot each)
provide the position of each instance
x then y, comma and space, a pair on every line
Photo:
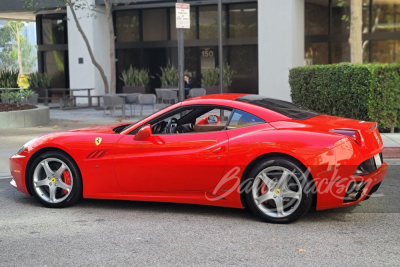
355, 40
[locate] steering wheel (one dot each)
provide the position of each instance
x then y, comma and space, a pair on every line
168, 128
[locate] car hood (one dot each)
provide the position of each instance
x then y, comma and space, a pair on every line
109, 129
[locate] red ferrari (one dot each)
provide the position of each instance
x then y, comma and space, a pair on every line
230, 150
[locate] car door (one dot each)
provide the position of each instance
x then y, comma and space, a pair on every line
171, 162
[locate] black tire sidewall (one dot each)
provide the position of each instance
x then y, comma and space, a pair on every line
76, 192
300, 171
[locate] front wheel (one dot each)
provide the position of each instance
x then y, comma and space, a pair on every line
279, 190
55, 180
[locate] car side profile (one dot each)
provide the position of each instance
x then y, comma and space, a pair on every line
229, 150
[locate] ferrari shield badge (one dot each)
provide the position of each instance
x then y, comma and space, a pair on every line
98, 140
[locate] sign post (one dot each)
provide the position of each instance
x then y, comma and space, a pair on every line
182, 12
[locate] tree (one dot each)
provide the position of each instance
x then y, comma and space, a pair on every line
355, 40
76, 5
15, 28
356, 46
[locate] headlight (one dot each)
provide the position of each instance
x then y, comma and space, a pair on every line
26, 145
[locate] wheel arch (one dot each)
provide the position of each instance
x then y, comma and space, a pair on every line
260, 158
36, 155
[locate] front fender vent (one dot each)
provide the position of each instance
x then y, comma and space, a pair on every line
97, 154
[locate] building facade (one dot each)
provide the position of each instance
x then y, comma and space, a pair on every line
262, 40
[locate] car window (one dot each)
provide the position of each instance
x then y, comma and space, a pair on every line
241, 119
223, 115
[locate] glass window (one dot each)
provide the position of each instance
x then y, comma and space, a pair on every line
340, 52
154, 25
288, 109
53, 30
127, 26
316, 53
208, 19
386, 51
241, 119
54, 65
243, 20
385, 16
244, 61
125, 59
189, 33
341, 16
316, 17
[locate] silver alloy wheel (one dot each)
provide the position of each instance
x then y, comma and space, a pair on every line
278, 191
44, 177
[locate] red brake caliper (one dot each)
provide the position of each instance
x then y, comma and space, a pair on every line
264, 189
67, 180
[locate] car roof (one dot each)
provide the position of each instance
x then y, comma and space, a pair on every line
216, 97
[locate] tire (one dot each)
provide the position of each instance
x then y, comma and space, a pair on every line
279, 190
55, 180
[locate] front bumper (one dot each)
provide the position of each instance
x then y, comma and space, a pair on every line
332, 192
18, 163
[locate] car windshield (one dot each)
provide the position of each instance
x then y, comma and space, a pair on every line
288, 109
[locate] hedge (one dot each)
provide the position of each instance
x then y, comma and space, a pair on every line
369, 92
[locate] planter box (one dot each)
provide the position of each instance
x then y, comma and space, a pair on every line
134, 89
25, 118
216, 90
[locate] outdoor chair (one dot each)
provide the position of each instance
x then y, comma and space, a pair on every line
197, 92
132, 100
111, 101
146, 100
159, 95
169, 95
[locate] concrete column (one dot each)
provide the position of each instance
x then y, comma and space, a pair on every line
280, 45
85, 75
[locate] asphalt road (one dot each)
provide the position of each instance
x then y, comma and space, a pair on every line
104, 233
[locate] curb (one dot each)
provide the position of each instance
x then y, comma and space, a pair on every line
391, 152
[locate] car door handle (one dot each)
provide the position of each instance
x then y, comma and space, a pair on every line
219, 150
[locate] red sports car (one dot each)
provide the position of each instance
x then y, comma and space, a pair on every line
230, 150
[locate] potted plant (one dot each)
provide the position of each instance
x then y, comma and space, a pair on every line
211, 80
38, 81
169, 76
135, 80
9, 78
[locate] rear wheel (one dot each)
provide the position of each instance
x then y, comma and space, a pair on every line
279, 190
55, 180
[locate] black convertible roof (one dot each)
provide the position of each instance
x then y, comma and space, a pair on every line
285, 108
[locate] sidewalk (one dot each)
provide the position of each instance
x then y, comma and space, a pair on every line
391, 145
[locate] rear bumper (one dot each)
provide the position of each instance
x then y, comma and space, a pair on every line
331, 192
17, 168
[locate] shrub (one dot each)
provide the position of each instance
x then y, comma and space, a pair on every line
369, 92
39, 80
211, 76
9, 78
135, 77
169, 75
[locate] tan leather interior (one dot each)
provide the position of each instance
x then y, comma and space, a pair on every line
209, 128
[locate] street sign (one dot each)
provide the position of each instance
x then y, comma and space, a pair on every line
182, 12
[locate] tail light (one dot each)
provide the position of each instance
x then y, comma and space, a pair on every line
352, 133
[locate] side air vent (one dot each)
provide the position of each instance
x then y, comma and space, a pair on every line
97, 154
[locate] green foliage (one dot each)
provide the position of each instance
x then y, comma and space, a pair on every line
135, 77
211, 76
9, 78
26, 93
16, 97
169, 75
6, 96
369, 92
38, 79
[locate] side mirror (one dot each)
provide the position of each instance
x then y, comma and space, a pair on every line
143, 133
